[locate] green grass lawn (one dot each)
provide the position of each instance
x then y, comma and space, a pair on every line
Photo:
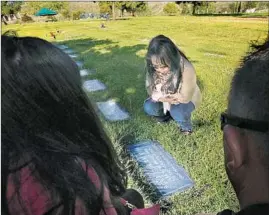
214, 45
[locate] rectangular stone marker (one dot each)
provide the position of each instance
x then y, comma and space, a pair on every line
85, 72
93, 85
79, 63
112, 111
62, 46
160, 168
68, 51
73, 55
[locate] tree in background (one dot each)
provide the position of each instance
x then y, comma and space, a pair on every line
86, 7
207, 8
76, 9
134, 7
195, 5
10, 8
69, 9
105, 7
32, 7
170, 9
76, 15
235, 7
239, 7
131, 7
249, 5
66, 14
263, 5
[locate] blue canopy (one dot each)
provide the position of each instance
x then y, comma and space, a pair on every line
45, 12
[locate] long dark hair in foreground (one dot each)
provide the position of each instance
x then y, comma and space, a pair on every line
48, 121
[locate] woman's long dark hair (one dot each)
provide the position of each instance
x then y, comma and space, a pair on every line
48, 121
168, 54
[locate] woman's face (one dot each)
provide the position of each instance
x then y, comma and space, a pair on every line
158, 66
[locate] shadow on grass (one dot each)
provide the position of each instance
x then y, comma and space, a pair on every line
120, 68
84, 44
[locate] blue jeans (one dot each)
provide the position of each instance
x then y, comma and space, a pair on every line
181, 113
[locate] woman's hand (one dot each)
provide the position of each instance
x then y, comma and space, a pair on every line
156, 96
169, 99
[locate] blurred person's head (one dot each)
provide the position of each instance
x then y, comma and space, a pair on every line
163, 59
48, 121
246, 129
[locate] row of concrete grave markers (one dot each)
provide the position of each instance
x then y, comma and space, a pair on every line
110, 109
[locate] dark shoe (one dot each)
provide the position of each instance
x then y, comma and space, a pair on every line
163, 119
186, 132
